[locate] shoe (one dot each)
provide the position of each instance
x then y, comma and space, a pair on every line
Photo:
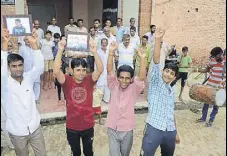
200, 120
209, 124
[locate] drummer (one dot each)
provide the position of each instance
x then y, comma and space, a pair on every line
217, 78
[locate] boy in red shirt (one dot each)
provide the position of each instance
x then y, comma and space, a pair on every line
78, 91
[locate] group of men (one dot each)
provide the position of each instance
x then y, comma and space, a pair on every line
118, 64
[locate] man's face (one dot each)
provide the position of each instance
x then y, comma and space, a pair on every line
26, 41
16, 69
126, 41
80, 24
18, 23
119, 22
108, 23
10, 46
153, 29
104, 45
144, 41
107, 32
36, 25
48, 36
132, 22
132, 32
96, 24
56, 39
54, 21
220, 57
168, 75
71, 21
92, 31
79, 73
124, 79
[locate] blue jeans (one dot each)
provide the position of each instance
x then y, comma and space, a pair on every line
154, 137
212, 114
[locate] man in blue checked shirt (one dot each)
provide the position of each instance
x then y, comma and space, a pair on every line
161, 126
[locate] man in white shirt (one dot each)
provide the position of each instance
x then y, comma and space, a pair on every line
53, 27
132, 24
150, 34
22, 116
134, 38
81, 27
70, 27
39, 31
126, 52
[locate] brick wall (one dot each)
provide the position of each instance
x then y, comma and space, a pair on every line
200, 25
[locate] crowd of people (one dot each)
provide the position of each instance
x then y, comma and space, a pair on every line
116, 70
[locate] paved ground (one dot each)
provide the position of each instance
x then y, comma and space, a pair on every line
196, 139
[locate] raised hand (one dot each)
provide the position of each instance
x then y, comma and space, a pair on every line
5, 39
61, 44
33, 39
92, 47
112, 48
141, 53
159, 33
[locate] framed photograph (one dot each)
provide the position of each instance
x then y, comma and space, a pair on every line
78, 42
18, 25
7, 2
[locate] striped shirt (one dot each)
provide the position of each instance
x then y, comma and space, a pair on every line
216, 76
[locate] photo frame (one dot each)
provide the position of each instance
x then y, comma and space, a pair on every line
7, 2
18, 25
77, 41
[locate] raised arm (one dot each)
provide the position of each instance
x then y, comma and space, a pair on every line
99, 67
112, 48
57, 62
142, 72
4, 54
159, 33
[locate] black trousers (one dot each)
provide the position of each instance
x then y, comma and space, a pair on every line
182, 76
74, 137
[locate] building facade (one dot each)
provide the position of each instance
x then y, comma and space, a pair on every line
200, 25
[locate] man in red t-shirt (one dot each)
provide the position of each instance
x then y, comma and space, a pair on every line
78, 91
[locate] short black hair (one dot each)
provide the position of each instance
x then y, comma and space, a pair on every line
216, 51
62, 37
145, 36
107, 20
174, 67
17, 20
185, 48
151, 26
133, 28
104, 39
120, 19
132, 19
57, 35
80, 20
48, 32
97, 20
53, 18
125, 68
91, 28
71, 18
76, 62
14, 58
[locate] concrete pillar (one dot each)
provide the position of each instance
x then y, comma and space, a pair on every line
19, 7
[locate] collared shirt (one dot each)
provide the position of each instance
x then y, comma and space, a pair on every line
160, 102
40, 34
47, 49
19, 99
135, 40
150, 37
70, 28
121, 115
54, 29
102, 81
119, 33
126, 55
83, 29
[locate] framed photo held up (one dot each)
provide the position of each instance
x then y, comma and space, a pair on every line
78, 42
18, 25
7, 2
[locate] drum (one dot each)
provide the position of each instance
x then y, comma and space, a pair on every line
207, 94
